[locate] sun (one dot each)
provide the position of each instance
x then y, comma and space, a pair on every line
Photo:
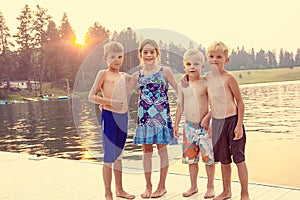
80, 39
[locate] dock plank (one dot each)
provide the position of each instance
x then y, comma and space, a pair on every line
24, 178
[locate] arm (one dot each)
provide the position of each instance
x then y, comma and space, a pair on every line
132, 82
170, 78
233, 84
179, 111
206, 119
93, 94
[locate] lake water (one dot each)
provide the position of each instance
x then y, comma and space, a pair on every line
70, 129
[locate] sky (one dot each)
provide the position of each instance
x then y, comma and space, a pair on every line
261, 24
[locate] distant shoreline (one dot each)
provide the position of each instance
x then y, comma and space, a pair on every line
244, 77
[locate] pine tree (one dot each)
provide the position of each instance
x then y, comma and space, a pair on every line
25, 41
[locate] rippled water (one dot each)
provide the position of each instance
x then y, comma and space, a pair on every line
52, 128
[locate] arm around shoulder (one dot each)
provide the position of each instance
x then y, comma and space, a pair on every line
132, 82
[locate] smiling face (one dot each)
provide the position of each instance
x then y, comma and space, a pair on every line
149, 55
216, 60
192, 66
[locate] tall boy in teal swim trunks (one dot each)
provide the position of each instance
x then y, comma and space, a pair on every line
193, 100
114, 117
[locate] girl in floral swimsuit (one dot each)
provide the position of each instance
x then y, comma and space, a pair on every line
154, 125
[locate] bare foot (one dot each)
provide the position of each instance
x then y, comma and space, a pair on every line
159, 193
210, 193
223, 196
245, 197
147, 193
190, 192
108, 197
125, 195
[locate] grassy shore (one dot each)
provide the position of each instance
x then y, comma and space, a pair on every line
267, 75
263, 75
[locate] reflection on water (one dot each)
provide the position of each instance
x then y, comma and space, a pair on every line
52, 128
272, 108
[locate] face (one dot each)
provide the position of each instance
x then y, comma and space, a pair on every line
114, 59
216, 60
192, 65
149, 55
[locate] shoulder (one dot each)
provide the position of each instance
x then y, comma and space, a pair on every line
229, 76
168, 73
101, 74
166, 70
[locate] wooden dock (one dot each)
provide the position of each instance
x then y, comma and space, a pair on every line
23, 177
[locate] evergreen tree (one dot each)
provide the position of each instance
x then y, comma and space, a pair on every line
128, 38
175, 54
51, 45
25, 41
95, 35
261, 59
39, 27
4, 50
69, 60
297, 58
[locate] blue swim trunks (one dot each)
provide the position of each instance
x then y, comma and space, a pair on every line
114, 133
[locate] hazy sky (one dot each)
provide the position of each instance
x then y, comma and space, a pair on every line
266, 24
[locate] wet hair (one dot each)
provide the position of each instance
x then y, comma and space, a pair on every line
143, 43
194, 52
112, 46
218, 46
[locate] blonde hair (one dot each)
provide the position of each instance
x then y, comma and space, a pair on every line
143, 43
194, 52
218, 46
112, 46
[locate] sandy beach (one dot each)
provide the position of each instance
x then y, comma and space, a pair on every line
271, 159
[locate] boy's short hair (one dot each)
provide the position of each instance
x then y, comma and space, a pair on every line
218, 46
194, 52
112, 46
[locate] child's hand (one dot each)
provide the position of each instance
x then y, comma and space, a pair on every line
238, 132
184, 81
176, 133
205, 122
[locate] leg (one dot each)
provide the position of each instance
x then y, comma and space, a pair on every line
107, 176
147, 163
243, 176
226, 178
193, 169
164, 166
118, 180
210, 172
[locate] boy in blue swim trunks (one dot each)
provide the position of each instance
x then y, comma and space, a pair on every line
114, 117
193, 100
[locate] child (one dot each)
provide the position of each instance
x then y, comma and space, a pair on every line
154, 124
227, 109
193, 100
114, 118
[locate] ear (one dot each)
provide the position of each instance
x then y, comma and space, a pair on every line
202, 67
227, 60
105, 58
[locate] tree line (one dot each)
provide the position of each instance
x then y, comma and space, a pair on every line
43, 51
